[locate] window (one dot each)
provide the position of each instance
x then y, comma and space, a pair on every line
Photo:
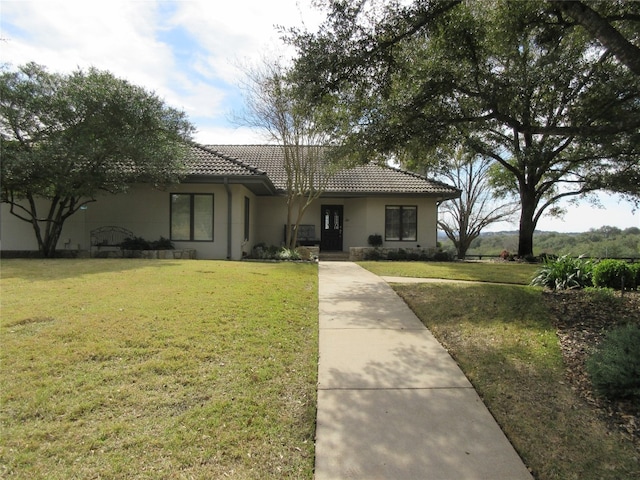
247, 209
401, 223
192, 217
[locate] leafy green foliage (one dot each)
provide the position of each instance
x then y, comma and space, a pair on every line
67, 137
615, 274
564, 273
416, 77
635, 273
615, 367
273, 252
288, 254
375, 240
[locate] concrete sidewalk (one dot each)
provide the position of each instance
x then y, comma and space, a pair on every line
392, 403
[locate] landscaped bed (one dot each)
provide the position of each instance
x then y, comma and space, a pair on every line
170, 369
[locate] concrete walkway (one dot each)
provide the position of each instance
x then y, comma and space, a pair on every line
392, 403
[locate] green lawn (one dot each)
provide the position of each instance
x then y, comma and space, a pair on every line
200, 369
500, 272
157, 369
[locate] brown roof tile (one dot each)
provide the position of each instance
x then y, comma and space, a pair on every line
363, 179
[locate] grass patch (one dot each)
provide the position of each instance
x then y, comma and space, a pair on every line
512, 272
504, 341
157, 369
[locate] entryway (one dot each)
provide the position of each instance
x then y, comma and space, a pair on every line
331, 228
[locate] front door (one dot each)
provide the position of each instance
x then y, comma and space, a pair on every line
331, 236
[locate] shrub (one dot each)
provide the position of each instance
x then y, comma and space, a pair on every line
373, 255
442, 257
139, 243
375, 240
393, 255
613, 274
162, 244
635, 271
564, 273
287, 254
135, 243
615, 367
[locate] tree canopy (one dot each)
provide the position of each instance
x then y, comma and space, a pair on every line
522, 83
65, 138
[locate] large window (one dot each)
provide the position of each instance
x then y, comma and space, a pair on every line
192, 217
401, 223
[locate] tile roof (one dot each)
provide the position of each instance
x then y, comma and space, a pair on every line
363, 179
204, 161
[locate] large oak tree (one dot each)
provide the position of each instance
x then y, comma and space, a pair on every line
518, 82
65, 138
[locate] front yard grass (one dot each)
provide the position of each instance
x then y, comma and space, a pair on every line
157, 369
504, 340
498, 272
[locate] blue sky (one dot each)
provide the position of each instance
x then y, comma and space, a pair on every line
190, 53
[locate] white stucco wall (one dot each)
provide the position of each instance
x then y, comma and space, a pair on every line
146, 212
362, 217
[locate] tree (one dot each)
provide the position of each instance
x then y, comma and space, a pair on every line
464, 218
509, 80
601, 27
65, 138
272, 105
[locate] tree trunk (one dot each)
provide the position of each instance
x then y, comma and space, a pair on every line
527, 225
48, 245
462, 246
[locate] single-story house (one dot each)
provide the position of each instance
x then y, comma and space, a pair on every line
233, 198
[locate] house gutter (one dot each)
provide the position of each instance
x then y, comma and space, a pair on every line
229, 217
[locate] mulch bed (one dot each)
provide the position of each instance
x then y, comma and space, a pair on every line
582, 321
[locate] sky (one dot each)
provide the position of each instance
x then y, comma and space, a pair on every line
193, 54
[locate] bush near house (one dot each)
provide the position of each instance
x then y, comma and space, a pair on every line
375, 240
139, 243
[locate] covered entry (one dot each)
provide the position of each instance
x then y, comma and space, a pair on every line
331, 228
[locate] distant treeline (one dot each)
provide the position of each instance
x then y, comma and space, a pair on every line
604, 242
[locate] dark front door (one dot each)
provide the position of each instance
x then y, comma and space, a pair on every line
331, 237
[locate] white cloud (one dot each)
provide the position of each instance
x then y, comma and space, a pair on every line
188, 51
230, 136
116, 36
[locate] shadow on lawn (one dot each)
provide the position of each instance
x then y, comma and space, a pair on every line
44, 269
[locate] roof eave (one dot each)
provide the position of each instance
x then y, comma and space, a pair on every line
260, 185
440, 196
